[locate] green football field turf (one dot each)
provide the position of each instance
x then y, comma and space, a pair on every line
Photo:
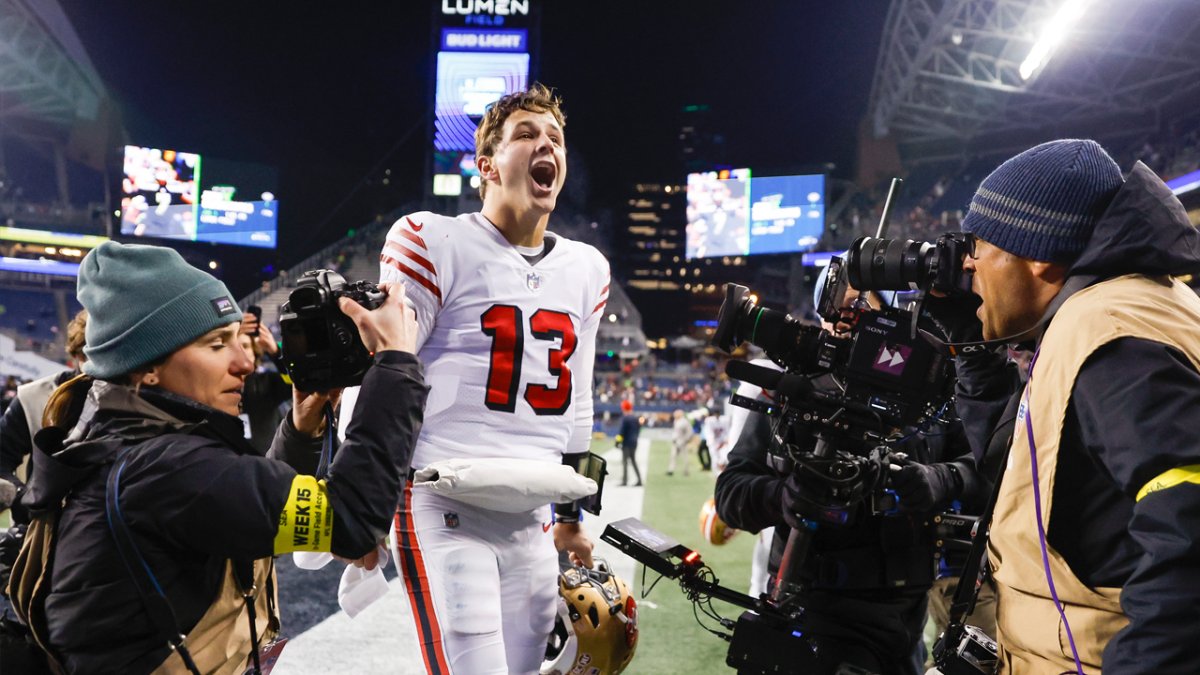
671, 641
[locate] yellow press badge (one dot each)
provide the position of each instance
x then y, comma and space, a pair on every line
306, 522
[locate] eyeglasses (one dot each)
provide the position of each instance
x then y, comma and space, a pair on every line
969, 241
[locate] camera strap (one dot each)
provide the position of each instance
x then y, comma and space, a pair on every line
155, 600
967, 593
327, 444
148, 588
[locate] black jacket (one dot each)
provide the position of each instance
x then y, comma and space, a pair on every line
630, 428
1131, 417
195, 494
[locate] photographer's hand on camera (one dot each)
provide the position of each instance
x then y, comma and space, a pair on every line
308, 410
391, 326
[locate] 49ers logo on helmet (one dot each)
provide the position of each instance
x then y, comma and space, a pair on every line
631, 629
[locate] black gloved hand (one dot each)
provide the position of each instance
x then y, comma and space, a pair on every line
792, 501
925, 487
806, 495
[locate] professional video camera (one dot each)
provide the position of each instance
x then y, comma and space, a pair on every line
840, 439
322, 349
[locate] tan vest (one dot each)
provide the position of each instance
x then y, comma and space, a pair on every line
1030, 631
220, 643
34, 396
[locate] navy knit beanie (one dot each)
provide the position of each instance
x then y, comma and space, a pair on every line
1043, 203
143, 303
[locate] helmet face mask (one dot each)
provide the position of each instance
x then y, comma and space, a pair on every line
595, 631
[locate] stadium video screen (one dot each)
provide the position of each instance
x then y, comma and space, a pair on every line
733, 213
718, 213
175, 195
467, 83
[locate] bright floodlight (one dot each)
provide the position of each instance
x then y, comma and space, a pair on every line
1052, 34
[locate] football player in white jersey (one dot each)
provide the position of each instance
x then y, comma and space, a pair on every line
507, 315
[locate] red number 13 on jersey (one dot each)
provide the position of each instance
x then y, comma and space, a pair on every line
505, 325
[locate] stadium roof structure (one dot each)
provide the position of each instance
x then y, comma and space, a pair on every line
949, 79
45, 74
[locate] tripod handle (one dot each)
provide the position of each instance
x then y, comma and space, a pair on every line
796, 551
794, 555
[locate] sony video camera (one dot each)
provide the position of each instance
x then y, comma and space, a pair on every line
892, 377
322, 349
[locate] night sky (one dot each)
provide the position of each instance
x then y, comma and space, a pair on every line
327, 94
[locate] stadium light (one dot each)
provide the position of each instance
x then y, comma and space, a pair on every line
1052, 35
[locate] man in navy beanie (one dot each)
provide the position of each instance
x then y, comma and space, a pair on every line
1095, 540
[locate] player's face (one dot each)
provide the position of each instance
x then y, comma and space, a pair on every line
530, 164
211, 370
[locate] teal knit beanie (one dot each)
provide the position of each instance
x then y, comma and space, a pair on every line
143, 303
1044, 203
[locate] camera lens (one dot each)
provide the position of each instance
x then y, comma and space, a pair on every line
889, 264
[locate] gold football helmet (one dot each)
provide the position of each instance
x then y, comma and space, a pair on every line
712, 528
596, 629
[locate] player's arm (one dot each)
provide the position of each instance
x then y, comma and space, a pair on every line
415, 255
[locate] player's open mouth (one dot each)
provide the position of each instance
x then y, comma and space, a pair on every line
543, 175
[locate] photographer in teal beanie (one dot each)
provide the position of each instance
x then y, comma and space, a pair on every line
159, 500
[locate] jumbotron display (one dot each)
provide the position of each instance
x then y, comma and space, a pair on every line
474, 68
169, 194
732, 213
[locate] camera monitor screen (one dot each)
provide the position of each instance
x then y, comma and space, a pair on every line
170, 194
733, 213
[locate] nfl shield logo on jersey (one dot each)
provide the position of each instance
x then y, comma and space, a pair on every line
534, 281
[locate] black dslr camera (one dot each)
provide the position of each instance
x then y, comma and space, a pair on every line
322, 349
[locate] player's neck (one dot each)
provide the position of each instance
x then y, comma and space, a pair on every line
519, 228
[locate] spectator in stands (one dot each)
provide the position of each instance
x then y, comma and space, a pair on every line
10, 391
681, 437
266, 393
627, 440
160, 439
1077, 260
